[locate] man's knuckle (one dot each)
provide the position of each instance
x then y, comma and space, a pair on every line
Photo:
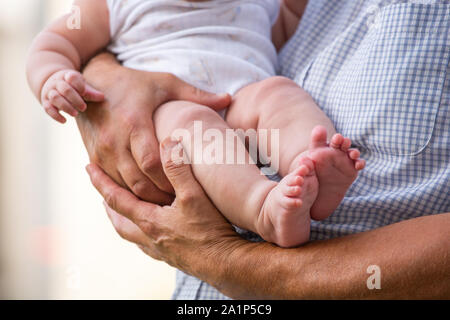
186, 197
150, 163
160, 241
147, 227
140, 188
111, 198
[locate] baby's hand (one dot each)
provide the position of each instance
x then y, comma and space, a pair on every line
67, 91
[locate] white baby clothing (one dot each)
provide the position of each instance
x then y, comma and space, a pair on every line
218, 45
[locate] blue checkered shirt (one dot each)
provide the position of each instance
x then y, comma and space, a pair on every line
380, 71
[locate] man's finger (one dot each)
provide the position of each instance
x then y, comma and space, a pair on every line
110, 169
178, 171
126, 228
140, 184
119, 199
184, 91
145, 150
93, 95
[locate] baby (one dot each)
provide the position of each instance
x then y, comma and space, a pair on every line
219, 46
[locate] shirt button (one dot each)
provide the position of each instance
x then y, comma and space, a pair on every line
373, 17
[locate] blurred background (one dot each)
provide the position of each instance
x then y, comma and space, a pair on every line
56, 241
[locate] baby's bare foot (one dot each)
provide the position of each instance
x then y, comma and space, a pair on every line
285, 217
336, 167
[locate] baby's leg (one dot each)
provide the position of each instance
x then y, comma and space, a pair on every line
238, 190
279, 103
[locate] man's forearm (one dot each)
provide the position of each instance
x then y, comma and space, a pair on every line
413, 256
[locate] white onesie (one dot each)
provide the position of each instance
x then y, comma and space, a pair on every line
218, 45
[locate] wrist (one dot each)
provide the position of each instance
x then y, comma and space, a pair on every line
218, 263
239, 269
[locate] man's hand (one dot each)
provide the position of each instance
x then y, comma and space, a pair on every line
178, 234
192, 236
118, 133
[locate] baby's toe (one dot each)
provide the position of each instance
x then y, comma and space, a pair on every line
293, 191
302, 171
360, 164
354, 154
307, 162
346, 144
318, 137
294, 180
291, 203
336, 141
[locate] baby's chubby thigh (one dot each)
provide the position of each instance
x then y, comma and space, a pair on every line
278, 103
184, 120
264, 100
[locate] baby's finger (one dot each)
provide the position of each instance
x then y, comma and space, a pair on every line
76, 80
53, 112
72, 96
58, 101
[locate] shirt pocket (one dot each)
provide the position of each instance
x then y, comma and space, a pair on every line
386, 96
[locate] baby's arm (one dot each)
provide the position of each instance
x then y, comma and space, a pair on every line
291, 12
58, 54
